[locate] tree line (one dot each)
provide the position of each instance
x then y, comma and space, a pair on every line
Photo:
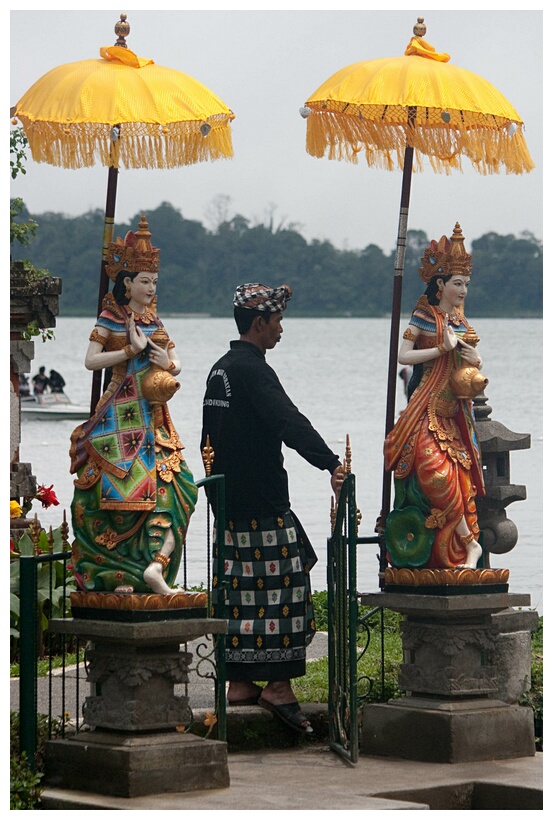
201, 267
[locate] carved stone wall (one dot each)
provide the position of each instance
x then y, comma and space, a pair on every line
449, 659
31, 300
135, 688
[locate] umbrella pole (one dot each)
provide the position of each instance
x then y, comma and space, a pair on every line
394, 332
109, 221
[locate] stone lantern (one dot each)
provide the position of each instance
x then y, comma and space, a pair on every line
498, 533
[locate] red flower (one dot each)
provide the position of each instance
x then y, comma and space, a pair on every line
47, 496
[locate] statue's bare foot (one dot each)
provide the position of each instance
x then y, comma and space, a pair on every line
474, 551
124, 588
153, 576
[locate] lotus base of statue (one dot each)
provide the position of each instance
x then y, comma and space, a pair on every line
138, 606
446, 581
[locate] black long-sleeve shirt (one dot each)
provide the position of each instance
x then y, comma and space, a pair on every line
248, 417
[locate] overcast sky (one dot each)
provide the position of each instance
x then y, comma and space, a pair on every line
264, 65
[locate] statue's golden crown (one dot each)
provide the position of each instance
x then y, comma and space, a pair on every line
447, 256
134, 253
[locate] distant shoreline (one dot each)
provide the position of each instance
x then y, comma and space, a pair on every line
346, 315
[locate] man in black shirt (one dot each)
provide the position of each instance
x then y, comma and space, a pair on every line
247, 417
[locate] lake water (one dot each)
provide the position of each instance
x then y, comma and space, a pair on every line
335, 370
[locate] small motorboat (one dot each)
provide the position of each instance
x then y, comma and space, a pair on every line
50, 406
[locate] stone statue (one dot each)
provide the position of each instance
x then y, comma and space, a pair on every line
134, 493
433, 448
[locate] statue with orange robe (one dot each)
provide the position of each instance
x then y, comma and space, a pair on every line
433, 448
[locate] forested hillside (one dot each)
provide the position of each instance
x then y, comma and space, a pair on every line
200, 268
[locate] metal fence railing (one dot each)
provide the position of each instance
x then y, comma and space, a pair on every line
42, 589
349, 632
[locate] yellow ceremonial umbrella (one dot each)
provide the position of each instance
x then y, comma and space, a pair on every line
123, 111
420, 101
399, 110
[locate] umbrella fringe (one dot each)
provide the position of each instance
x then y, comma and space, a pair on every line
342, 137
140, 145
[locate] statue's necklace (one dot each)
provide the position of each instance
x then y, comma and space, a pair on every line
146, 318
454, 317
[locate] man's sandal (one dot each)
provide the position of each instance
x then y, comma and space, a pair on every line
290, 714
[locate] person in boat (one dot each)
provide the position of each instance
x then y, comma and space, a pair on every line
405, 375
24, 387
134, 493
433, 448
56, 381
41, 382
247, 417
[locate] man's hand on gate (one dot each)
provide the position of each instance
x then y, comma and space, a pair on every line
337, 480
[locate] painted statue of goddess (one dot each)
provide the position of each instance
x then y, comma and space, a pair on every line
134, 493
433, 448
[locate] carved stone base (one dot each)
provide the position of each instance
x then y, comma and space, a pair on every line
449, 659
132, 766
440, 731
133, 669
451, 712
135, 688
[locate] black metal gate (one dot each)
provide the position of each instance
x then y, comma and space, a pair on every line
345, 625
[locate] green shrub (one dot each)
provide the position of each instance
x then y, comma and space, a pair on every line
50, 586
534, 697
25, 788
320, 605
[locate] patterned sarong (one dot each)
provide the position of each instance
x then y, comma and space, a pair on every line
269, 607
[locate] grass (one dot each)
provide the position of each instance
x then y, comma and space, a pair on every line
44, 665
313, 687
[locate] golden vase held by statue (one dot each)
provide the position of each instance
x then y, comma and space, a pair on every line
467, 381
158, 385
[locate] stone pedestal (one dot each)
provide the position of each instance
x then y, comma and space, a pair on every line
136, 765
134, 747
514, 651
452, 711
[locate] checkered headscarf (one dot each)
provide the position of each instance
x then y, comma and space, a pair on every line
259, 297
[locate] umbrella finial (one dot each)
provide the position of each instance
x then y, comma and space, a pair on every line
419, 30
122, 29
